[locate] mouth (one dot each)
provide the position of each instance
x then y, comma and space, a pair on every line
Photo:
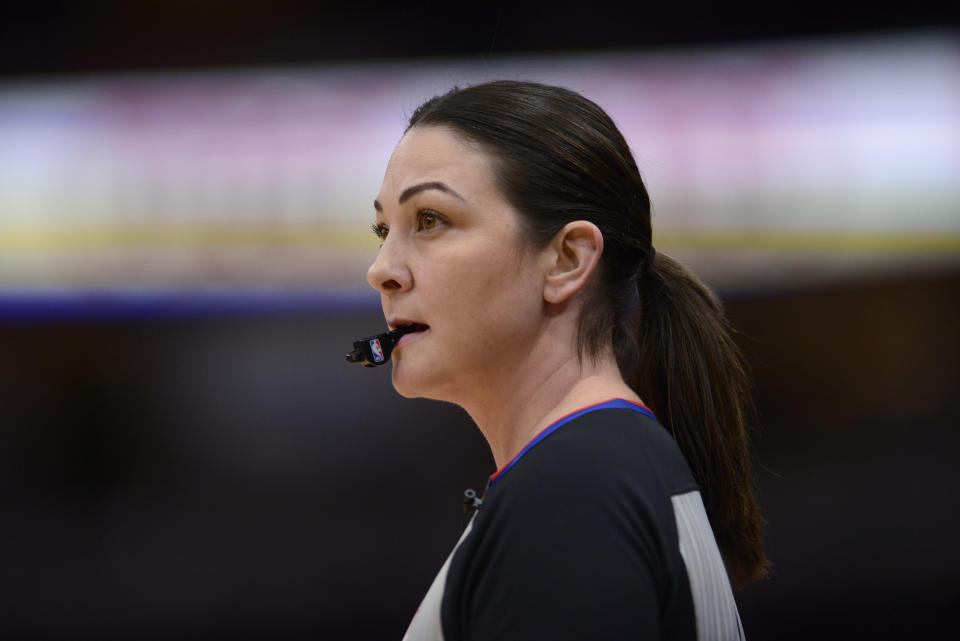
417, 329
402, 322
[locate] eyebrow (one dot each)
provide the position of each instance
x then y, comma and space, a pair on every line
416, 189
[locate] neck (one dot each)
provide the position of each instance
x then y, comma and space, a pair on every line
521, 405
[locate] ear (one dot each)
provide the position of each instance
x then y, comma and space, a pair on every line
573, 255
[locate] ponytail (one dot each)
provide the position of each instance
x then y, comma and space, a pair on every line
693, 376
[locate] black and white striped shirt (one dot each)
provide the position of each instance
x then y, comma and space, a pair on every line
595, 530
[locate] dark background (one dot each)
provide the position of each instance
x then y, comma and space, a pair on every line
212, 473
44, 36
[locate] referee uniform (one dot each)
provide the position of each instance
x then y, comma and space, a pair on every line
595, 530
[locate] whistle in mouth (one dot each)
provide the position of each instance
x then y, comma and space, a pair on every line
373, 351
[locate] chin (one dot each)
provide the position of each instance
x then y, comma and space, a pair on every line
405, 385
412, 382
404, 391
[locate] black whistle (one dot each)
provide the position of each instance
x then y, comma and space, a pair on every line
373, 351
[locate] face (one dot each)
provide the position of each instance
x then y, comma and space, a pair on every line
452, 260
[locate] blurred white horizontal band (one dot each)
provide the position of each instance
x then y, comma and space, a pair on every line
845, 147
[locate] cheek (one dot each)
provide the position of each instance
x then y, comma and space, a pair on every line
487, 292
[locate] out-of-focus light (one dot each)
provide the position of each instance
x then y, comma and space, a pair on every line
765, 164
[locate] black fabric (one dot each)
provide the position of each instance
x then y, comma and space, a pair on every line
578, 540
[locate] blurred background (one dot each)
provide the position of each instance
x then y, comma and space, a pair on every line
185, 195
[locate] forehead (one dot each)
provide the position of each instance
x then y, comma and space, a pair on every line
434, 153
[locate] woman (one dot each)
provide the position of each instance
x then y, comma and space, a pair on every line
516, 238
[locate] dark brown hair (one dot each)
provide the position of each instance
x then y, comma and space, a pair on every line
558, 157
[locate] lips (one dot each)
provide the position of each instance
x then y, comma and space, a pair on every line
400, 322
418, 330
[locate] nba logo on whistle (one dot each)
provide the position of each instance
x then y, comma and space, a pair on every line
377, 350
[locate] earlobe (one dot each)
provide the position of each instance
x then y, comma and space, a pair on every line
574, 254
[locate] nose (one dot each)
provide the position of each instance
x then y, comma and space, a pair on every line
389, 274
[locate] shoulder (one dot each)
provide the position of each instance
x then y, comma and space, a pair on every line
603, 480
579, 529
614, 450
